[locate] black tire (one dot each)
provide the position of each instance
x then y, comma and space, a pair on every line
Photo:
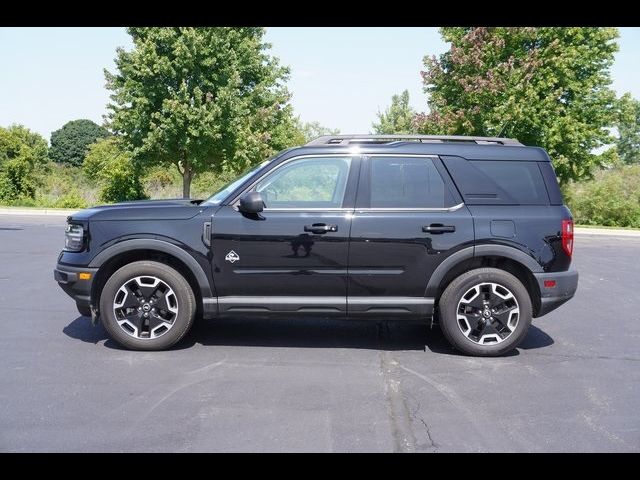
448, 311
182, 321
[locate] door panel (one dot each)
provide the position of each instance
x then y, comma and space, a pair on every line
292, 257
390, 255
407, 220
275, 256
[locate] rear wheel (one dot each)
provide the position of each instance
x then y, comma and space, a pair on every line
147, 305
485, 312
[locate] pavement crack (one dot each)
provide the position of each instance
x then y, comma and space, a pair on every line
416, 416
432, 443
399, 415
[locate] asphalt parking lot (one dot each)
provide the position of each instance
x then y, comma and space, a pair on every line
251, 385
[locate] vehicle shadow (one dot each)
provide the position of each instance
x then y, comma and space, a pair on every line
82, 329
308, 333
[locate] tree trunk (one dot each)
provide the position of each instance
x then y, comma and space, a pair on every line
187, 176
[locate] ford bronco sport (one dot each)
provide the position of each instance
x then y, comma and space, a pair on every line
469, 231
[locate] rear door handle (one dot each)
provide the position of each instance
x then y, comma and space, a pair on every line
320, 228
438, 228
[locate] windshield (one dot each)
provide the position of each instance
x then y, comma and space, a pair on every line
225, 191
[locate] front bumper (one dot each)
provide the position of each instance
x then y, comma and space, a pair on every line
552, 297
80, 290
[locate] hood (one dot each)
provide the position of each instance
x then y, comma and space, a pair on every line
173, 209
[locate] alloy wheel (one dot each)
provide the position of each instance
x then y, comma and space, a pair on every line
145, 307
488, 313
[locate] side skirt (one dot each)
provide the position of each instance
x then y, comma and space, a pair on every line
374, 307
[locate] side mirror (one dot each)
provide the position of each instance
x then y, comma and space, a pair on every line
251, 202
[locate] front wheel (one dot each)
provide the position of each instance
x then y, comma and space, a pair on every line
485, 312
147, 305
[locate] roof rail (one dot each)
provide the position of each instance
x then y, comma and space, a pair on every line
361, 138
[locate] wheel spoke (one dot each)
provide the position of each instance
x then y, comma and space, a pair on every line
148, 292
477, 302
503, 307
129, 322
155, 321
476, 331
500, 320
161, 302
131, 301
490, 329
506, 314
158, 325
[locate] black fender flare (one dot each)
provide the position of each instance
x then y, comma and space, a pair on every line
474, 252
161, 246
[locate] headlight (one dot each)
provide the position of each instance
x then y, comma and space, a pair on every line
74, 238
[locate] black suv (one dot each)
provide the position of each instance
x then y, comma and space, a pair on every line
469, 231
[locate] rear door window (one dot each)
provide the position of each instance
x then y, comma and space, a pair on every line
406, 182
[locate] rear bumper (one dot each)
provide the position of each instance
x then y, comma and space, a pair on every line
80, 290
552, 297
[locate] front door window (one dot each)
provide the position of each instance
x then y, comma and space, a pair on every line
317, 183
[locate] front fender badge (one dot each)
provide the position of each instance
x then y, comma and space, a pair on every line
232, 257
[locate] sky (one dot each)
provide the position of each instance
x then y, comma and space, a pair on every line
340, 76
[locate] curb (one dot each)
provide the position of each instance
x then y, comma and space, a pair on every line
60, 212
606, 231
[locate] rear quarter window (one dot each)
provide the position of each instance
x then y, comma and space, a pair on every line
522, 181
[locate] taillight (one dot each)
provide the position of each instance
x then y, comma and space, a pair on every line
567, 236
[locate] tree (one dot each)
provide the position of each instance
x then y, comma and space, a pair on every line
69, 144
547, 86
199, 99
312, 130
628, 143
109, 162
22, 154
398, 118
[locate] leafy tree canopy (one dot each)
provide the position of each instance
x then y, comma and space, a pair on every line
69, 144
200, 99
628, 143
398, 118
545, 86
312, 130
22, 154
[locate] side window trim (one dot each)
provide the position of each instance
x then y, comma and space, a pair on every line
348, 199
364, 187
448, 181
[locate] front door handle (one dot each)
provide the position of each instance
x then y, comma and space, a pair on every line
438, 228
320, 228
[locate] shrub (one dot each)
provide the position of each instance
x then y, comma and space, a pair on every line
73, 199
59, 181
22, 154
207, 183
111, 165
163, 182
612, 198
